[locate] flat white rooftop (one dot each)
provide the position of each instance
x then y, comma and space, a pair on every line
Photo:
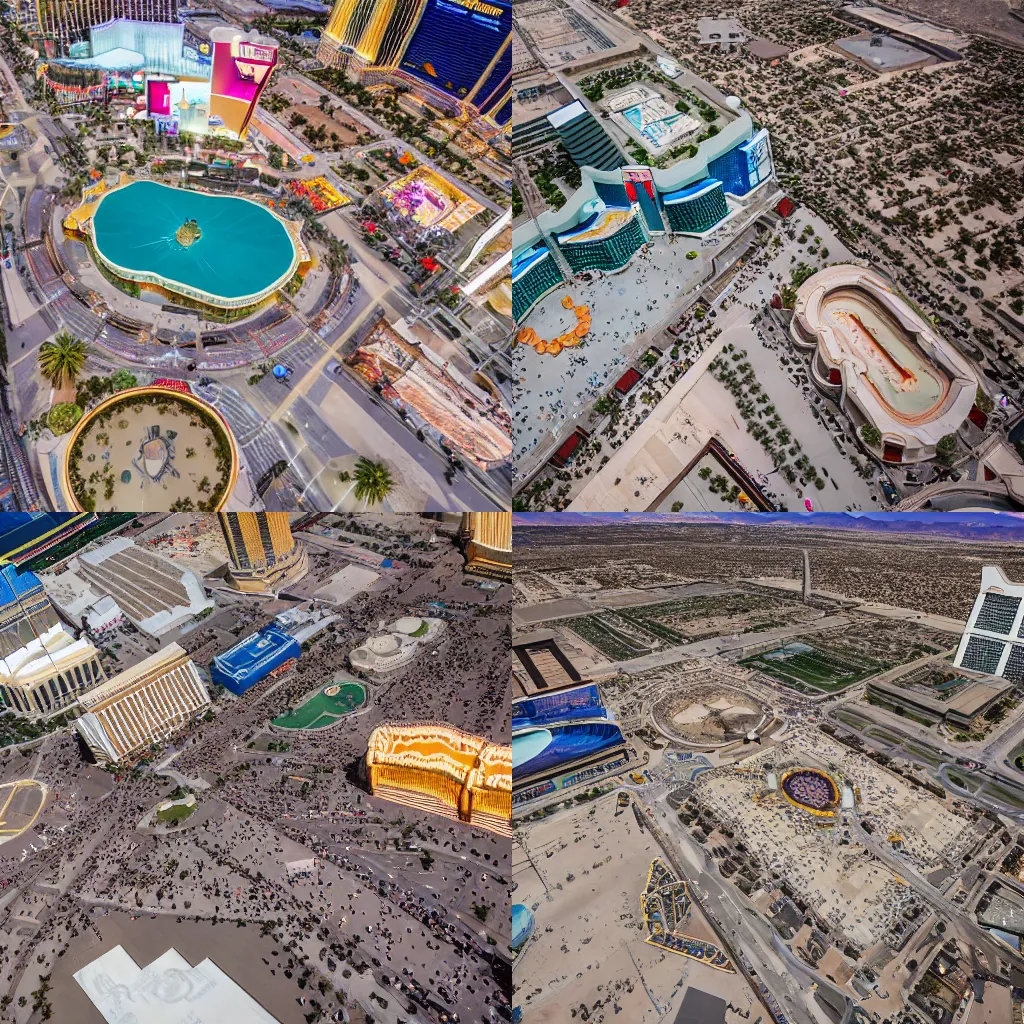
168, 991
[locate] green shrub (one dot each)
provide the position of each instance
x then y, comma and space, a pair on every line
64, 416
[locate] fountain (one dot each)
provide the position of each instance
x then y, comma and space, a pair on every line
188, 233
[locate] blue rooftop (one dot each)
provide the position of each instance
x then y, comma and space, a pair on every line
254, 658
15, 585
22, 533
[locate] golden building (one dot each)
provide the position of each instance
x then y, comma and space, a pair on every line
486, 539
143, 705
441, 770
264, 555
49, 673
369, 33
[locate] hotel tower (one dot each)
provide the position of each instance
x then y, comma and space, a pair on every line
450, 52
263, 553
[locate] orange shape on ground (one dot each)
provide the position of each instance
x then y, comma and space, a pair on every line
528, 336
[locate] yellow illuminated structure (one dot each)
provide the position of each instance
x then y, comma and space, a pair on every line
486, 539
264, 555
441, 770
369, 34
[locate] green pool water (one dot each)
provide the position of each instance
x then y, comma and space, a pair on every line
243, 248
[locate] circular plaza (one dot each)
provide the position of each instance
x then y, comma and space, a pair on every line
149, 448
811, 790
706, 715
224, 251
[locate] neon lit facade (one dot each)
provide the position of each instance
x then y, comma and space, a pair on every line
212, 84
264, 555
487, 541
441, 770
62, 22
455, 49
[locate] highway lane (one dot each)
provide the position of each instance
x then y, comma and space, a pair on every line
747, 932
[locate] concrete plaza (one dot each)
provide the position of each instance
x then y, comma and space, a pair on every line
627, 310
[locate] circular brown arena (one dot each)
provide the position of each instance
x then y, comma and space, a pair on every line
706, 715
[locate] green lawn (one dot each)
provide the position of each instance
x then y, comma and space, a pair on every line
824, 670
321, 710
176, 812
424, 626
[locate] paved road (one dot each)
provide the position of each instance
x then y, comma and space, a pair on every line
746, 931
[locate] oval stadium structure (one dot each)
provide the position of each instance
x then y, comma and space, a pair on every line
878, 357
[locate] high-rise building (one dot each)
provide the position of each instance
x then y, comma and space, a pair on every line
62, 22
264, 554
993, 641
25, 610
441, 770
455, 49
141, 706
242, 65
486, 539
49, 673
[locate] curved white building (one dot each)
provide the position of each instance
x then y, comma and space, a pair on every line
49, 673
407, 638
882, 361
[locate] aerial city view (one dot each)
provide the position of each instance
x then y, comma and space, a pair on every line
767, 258
255, 256
768, 768
226, 794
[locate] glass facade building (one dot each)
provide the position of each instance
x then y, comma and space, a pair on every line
534, 274
610, 252
697, 208
456, 44
64, 22
744, 167
460, 49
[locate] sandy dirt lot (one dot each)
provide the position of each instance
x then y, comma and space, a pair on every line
582, 873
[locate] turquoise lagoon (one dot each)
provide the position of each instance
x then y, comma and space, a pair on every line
244, 250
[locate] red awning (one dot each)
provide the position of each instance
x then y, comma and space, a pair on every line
627, 381
173, 385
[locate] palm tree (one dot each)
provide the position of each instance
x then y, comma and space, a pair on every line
373, 481
61, 360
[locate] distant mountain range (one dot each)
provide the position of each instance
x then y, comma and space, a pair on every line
995, 526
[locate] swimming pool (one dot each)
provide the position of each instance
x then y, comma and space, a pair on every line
242, 253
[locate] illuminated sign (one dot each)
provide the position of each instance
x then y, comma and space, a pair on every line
264, 54
482, 8
637, 174
196, 48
